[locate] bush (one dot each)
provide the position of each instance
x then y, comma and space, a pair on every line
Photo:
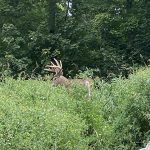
36, 115
125, 110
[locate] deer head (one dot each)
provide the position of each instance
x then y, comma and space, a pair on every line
58, 78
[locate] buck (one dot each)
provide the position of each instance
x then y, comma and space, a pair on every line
59, 79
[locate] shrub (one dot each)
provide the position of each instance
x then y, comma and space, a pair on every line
124, 106
36, 115
33, 116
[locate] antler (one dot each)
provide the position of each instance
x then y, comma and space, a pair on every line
57, 67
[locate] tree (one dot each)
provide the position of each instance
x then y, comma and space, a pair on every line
96, 34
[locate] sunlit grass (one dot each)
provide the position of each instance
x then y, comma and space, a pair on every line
36, 115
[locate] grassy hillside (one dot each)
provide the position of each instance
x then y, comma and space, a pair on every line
36, 115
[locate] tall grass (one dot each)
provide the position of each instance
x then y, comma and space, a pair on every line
36, 115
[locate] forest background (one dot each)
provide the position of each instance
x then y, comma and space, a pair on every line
107, 36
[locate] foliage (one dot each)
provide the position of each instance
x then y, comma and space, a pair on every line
98, 34
34, 114
92, 38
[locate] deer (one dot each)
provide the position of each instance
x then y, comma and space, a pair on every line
59, 79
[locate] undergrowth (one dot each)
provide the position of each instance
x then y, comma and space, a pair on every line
36, 115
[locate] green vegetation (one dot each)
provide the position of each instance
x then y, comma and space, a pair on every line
36, 115
99, 38
107, 35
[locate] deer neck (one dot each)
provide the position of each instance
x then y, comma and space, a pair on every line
61, 80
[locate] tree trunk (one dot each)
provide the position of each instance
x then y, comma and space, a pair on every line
129, 4
52, 12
